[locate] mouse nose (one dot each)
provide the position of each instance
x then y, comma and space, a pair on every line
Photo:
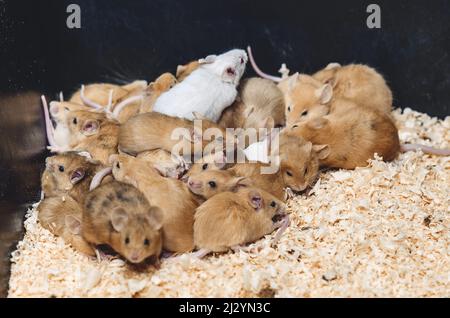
134, 257
54, 108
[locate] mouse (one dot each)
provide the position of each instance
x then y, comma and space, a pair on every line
92, 132
119, 215
351, 135
59, 112
185, 70
208, 90
171, 196
168, 165
360, 83
232, 219
154, 130
260, 104
69, 174
63, 217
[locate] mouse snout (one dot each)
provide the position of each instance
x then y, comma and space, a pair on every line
135, 257
194, 184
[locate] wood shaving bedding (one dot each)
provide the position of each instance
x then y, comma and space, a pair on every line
379, 231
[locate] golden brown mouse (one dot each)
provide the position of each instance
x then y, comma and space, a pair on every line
69, 174
119, 215
260, 104
93, 132
232, 219
63, 217
351, 135
171, 196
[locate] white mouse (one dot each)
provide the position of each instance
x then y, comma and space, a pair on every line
208, 90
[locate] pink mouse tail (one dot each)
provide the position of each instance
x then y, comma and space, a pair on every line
425, 149
97, 179
87, 101
48, 123
258, 70
119, 107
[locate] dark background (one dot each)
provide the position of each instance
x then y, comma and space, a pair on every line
124, 40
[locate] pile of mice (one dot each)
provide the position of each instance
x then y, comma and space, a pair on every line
378, 229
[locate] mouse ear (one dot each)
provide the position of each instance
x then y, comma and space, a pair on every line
255, 200
292, 81
119, 218
208, 60
77, 175
199, 116
73, 224
155, 217
113, 158
322, 151
90, 127
317, 123
180, 69
229, 74
239, 182
324, 93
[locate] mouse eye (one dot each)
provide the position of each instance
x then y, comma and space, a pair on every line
205, 166
306, 171
289, 173
242, 60
75, 121
295, 126
118, 165
305, 113
273, 204
147, 242
61, 168
127, 240
289, 108
212, 184
66, 108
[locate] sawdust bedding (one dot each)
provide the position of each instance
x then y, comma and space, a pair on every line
379, 231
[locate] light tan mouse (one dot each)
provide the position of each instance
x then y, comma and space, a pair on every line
260, 104
359, 83
63, 217
171, 196
232, 219
69, 174
155, 131
351, 135
92, 132
119, 215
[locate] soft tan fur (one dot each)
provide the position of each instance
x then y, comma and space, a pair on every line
100, 142
63, 218
353, 134
231, 219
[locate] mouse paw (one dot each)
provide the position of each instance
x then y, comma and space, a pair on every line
289, 194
